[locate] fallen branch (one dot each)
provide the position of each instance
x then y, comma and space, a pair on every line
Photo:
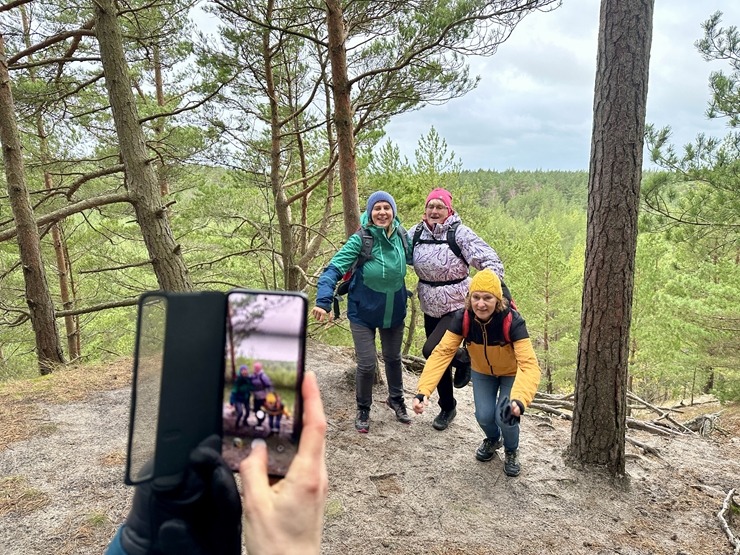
727, 507
413, 363
663, 414
548, 409
647, 427
705, 424
646, 449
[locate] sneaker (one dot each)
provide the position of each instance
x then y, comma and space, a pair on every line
462, 376
362, 421
443, 419
487, 449
399, 407
511, 462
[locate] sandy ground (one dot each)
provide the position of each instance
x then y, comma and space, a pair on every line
399, 489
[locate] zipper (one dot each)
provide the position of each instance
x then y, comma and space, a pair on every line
485, 345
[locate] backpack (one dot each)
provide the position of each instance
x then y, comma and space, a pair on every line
366, 253
450, 240
466, 327
507, 320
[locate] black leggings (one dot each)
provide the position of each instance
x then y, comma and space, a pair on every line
435, 328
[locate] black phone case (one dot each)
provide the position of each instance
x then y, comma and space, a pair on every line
192, 380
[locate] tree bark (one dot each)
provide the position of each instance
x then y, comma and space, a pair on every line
291, 274
599, 419
38, 297
56, 229
141, 179
341, 90
158, 127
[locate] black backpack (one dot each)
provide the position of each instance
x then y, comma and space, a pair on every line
451, 242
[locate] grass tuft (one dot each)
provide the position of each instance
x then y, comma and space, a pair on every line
18, 497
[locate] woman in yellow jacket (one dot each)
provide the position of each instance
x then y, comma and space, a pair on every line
506, 373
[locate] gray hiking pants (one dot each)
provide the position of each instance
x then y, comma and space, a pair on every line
365, 353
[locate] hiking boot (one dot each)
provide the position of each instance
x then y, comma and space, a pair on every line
399, 407
462, 376
362, 421
443, 419
487, 449
511, 463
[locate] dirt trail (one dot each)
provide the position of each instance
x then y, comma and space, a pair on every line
398, 489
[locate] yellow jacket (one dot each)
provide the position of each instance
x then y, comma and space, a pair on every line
489, 354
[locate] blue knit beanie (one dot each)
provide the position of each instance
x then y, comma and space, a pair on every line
379, 196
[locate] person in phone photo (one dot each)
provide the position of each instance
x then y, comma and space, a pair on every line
261, 385
275, 410
204, 514
241, 392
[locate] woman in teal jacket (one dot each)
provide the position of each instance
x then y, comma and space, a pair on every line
376, 301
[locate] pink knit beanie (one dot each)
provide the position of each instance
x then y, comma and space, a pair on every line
443, 195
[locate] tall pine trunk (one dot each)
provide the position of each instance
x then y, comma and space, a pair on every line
599, 416
38, 297
343, 115
141, 179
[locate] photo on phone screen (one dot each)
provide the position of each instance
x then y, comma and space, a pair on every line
265, 349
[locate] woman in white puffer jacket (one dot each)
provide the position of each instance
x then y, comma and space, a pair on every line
444, 278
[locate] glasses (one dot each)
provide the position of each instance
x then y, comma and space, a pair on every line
436, 207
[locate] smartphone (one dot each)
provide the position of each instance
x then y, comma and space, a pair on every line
188, 380
263, 376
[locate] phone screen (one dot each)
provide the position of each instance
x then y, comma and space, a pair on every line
265, 352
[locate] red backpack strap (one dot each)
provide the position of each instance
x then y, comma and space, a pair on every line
507, 327
466, 324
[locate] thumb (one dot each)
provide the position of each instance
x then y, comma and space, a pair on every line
253, 472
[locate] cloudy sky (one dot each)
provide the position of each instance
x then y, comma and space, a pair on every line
533, 107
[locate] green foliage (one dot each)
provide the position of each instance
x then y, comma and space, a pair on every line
687, 310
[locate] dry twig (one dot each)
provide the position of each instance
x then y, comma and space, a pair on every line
727, 508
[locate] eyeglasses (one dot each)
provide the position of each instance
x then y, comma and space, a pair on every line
436, 207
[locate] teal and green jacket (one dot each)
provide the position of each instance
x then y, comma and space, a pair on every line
377, 292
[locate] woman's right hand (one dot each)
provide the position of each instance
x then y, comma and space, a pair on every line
419, 405
288, 516
320, 314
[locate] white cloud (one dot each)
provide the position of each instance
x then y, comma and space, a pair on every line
533, 107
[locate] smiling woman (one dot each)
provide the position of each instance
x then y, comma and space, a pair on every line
382, 215
376, 302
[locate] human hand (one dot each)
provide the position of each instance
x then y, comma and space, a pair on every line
510, 412
199, 516
287, 517
515, 409
419, 404
320, 314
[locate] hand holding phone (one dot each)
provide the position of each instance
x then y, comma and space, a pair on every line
209, 363
290, 514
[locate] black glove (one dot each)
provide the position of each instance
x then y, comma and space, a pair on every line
462, 358
201, 515
506, 415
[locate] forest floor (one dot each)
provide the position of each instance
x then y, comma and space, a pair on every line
398, 489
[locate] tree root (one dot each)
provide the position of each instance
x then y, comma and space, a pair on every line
725, 515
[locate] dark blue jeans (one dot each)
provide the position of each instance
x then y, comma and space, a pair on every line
488, 391
366, 355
